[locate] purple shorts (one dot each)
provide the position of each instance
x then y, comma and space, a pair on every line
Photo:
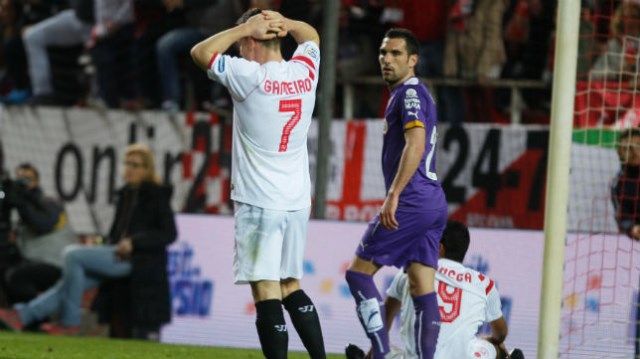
416, 240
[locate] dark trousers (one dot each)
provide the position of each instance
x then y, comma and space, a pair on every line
114, 66
16, 62
28, 279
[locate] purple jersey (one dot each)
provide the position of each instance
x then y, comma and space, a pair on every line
410, 106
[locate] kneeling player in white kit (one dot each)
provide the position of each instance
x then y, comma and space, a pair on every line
273, 101
466, 298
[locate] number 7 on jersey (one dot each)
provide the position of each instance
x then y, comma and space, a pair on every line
295, 106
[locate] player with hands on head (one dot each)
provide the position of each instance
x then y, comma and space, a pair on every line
273, 102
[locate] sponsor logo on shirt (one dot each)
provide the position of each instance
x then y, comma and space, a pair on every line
411, 103
221, 64
413, 113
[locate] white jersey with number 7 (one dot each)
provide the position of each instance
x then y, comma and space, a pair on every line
272, 108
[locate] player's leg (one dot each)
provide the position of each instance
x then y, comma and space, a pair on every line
421, 272
369, 304
302, 311
258, 246
378, 247
425, 302
304, 316
270, 323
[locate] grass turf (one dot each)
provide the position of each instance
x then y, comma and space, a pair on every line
38, 346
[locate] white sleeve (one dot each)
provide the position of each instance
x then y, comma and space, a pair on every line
493, 310
239, 76
397, 286
308, 54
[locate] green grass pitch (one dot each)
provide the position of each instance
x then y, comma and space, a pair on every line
37, 346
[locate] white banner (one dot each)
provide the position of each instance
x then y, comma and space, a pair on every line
210, 310
494, 176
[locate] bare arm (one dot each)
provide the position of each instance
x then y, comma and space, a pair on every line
415, 139
498, 331
257, 27
392, 307
203, 51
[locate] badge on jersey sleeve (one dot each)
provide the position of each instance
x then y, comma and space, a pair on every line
220, 67
412, 109
411, 100
312, 52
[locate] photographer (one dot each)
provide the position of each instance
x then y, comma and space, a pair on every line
41, 235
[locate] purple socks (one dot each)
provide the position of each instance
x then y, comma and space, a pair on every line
370, 311
427, 326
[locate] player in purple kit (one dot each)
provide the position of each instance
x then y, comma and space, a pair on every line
407, 232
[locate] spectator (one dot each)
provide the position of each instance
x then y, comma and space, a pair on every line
586, 42
42, 234
474, 48
625, 193
428, 21
143, 226
528, 28
542, 14
151, 22
14, 17
621, 55
203, 19
145, 220
301, 10
360, 31
111, 44
68, 27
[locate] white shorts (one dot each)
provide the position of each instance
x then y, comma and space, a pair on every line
269, 244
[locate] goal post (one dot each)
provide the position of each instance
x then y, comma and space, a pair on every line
555, 218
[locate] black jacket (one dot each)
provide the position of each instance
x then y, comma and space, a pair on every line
625, 195
36, 211
144, 215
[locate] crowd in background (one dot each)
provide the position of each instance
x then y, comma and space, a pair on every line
133, 54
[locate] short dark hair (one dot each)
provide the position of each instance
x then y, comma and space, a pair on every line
273, 43
629, 132
413, 46
248, 15
26, 166
455, 240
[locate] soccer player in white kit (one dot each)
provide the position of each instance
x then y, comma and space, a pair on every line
466, 299
273, 102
